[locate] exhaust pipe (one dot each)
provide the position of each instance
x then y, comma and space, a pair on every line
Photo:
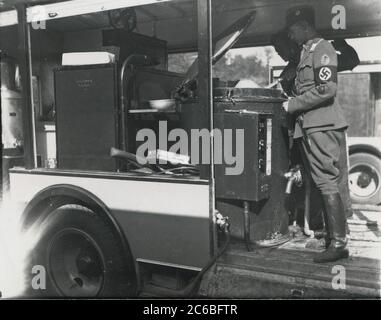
132, 61
246, 218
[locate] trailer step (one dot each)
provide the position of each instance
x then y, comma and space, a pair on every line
288, 272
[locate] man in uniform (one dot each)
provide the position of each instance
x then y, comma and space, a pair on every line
289, 51
320, 125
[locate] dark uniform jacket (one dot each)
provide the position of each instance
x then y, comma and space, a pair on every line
346, 60
315, 103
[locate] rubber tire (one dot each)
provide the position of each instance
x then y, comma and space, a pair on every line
375, 163
119, 273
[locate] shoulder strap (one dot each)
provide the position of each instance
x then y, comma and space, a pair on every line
314, 45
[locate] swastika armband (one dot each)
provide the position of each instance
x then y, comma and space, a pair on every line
325, 74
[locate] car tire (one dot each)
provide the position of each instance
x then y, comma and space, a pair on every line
365, 178
82, 257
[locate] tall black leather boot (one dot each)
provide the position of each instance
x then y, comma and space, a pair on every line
337, 226
326, 240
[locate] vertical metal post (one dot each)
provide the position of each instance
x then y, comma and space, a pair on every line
205, 92
25, 61
1, 142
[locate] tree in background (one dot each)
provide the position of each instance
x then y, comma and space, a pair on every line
241, 68
228, 68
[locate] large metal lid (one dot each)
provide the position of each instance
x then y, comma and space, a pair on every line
222, 44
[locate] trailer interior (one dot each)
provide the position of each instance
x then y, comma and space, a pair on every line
92, 78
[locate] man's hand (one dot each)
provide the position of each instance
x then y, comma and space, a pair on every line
285, 105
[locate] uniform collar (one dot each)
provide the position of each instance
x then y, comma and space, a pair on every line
307, 48
309, 43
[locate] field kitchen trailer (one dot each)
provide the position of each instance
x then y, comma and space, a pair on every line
94, 77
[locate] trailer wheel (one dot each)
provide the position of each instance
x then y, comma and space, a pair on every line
365, 178
82, 257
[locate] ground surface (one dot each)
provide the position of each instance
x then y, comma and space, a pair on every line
288, 271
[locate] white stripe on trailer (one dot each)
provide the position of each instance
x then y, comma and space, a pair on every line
181, 199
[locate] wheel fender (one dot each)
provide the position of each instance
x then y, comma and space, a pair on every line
366, 148
56, 196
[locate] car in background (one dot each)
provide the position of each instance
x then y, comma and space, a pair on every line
365, 170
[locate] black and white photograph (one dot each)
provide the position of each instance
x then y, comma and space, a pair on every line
200, 151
